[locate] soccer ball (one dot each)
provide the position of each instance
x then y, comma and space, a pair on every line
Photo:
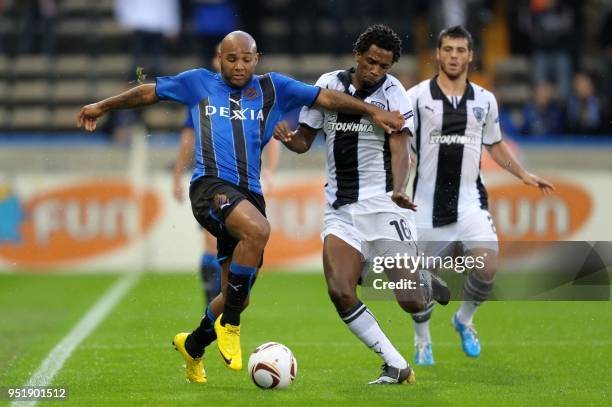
272, 366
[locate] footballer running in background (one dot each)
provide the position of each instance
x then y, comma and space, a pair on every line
234, 113
367, 175
454, 118
210, 269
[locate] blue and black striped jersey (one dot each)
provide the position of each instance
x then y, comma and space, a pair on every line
233, 125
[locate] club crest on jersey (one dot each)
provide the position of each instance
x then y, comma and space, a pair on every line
478, 113
250, 94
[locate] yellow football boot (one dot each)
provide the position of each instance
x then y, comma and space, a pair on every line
194, 368
411, 379
228, 343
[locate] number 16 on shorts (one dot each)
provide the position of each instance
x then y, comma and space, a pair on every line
384, 226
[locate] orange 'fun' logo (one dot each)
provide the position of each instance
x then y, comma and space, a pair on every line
76, 222
522, 212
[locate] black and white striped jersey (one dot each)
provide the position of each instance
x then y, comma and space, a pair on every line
358, 153
449, 134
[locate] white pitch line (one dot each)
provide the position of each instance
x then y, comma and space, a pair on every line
57, 357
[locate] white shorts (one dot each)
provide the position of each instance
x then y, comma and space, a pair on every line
376, 218
475, 230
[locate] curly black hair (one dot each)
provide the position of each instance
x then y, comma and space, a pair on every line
381, 36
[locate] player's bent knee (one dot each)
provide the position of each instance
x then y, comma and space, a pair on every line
485, 274
263, 231
258, 234
487, 271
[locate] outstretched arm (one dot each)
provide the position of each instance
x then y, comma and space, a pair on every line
400, 167
506, 159
341, 102
142, 95
298, 141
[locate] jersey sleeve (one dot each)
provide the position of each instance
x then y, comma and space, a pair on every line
399, 101
314, 117
188, 121
185, 88
292, 93
491, 131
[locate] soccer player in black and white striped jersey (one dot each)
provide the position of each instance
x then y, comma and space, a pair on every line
454, 118
367, 175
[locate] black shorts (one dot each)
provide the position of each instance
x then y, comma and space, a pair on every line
210, 211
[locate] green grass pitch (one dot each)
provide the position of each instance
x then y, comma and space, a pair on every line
534, 353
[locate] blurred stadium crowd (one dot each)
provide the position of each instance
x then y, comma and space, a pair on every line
548, 61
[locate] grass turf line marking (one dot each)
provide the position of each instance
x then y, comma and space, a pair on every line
54, 361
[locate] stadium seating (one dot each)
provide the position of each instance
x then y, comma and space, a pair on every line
30, 91
30, 118
164, 116
93, 61
77, 66
63, 117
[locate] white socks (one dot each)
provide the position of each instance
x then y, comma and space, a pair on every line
363, 324
421, 332
466, 312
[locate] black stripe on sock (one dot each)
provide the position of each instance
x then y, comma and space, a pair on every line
425, 315
353, 312
475, 289
357, 315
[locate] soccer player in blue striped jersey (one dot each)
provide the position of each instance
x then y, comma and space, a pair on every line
234, 113
210, 270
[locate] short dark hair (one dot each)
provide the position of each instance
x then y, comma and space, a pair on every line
457, 31
381, 36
